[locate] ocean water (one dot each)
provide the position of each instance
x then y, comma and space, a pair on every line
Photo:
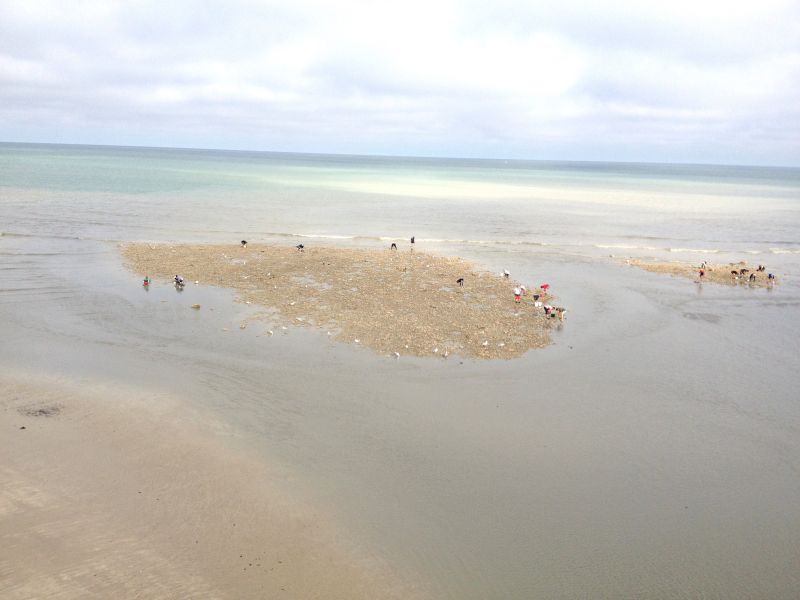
112, 193
652, 451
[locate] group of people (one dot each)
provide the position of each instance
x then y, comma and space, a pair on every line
394, 245
521, 291
737, 273
763, 269
555, 311
549, 311
177, 280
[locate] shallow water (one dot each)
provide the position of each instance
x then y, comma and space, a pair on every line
652, 451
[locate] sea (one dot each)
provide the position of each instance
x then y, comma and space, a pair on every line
652, 451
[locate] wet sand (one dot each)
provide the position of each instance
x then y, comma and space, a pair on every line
394, 302
107, 492
642, 455
715, 273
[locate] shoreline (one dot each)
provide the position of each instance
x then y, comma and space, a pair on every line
394, 302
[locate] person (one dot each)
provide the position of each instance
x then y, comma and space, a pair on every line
412, 240
244, 243
561, 313
178, 280
393, 246
460, 281
524, 291
517, 294
547, 310
506, 274
702, 273
146, 281
300, 247
752, 276
771, 277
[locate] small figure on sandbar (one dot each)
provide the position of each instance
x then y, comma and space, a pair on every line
146, 281
506, 273
460, 282
412, 240
300, 247
393, 246
244, 243
179, 283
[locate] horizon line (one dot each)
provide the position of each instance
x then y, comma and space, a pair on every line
405, 156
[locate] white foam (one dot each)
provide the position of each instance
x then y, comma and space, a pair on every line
322, 236
699, 250
624, 247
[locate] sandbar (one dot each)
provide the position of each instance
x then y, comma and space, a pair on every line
394, 302
715, 273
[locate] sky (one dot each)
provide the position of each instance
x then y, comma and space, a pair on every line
680, 81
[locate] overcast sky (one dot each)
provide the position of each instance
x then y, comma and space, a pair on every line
674, 81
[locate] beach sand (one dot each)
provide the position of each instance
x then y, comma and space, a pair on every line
107, 492
402, 302
715, 273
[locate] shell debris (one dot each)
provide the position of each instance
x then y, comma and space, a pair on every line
382, 298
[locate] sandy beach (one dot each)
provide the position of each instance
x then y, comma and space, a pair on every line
394, 302
109, 492
715, 273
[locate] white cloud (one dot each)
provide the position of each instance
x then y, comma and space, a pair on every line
529, 79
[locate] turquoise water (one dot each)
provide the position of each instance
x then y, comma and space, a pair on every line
586, 208
652, 451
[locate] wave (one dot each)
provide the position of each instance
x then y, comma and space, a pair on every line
54, 236
536, 244
519, 243
490, 243
387, 238
624, 247
696, 250
699, 250
323, 236
665, 249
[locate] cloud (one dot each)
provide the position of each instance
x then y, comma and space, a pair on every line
683, 81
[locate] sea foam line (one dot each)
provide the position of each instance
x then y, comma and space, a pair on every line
698, 250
